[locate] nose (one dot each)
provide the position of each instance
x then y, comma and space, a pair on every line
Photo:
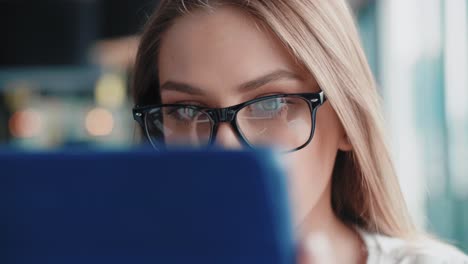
227, 138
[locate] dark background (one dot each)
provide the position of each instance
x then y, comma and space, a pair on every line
64, 30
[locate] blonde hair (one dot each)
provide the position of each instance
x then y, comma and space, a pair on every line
322, 36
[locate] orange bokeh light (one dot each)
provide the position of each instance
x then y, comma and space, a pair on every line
25, 123
99, 122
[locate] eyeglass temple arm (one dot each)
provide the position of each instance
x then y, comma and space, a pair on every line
319, 101
323, 97
138, 115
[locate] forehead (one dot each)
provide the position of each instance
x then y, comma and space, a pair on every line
224, 45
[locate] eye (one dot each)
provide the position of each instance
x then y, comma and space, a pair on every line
269, 105
183, 113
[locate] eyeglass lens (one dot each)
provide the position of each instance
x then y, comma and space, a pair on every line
282, 122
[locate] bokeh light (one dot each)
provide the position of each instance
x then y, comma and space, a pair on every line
99, 122
110, 90
25, 123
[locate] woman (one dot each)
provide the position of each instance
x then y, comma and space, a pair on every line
246, 73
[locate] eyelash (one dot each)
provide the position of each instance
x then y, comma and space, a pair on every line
267, 94
185, 102
194, 103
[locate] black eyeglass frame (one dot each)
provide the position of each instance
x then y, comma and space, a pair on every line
229, 114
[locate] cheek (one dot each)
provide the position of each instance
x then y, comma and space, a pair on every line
310, 169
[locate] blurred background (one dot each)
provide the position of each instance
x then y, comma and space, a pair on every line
66, 65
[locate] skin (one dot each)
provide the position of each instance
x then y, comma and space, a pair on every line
216, 53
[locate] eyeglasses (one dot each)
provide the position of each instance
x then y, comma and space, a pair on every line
284, 121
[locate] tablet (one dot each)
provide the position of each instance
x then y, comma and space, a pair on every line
144, 207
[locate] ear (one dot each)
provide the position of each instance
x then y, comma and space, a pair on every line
344, 144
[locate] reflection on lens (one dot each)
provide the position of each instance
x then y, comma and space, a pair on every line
178, 126
284, 122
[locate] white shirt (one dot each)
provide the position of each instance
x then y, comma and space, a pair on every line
387, 250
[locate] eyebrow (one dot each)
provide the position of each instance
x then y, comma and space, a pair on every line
245, 87
271, 77
181, 87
